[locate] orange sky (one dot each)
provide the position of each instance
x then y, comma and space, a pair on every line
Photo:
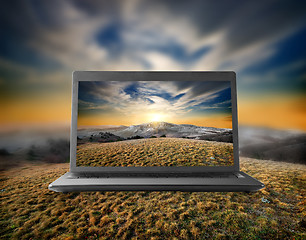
281, 112
219, 121
43, 109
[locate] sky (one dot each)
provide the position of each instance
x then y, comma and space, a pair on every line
42, 42
129, 103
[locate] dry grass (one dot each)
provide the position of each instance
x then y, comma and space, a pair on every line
156, 152
30, 211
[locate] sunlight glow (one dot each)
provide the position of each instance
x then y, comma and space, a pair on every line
157, 117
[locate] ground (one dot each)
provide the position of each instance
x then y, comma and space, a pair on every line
30, 211
156, 152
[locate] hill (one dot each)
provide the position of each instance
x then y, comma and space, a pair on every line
156, 152
277, 145
30, 211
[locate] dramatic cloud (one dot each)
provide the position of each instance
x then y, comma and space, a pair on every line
171, 98
157, 35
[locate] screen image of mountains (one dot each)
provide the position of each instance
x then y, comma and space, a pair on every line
154, 124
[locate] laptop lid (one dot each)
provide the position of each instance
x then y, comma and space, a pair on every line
149, 121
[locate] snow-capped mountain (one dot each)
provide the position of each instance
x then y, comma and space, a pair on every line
168, 129
165, 129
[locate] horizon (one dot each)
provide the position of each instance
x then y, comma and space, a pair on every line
201, 103
154, 122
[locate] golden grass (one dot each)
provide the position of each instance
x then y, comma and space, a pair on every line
30, 211
156, 152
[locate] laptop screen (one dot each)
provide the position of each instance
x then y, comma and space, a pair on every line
154, 123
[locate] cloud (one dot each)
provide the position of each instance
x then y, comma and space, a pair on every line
85, 105
221, 105
243, 25
274, 79
153, 35
71, 43
171, 98
69, 34
21, 79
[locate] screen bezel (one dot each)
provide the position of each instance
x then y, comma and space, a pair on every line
78, 76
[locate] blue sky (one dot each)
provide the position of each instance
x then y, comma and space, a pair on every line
250, 37
42, 42
176, 102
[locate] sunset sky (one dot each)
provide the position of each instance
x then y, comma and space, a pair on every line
43, 42
128, 103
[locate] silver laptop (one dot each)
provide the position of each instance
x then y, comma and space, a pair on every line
154, 131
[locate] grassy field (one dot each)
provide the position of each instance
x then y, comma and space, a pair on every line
156, 152
30, 211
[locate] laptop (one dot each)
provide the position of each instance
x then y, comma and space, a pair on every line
154, 131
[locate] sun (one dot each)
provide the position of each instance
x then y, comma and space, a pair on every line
157, 117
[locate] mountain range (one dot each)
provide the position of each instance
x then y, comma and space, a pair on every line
160, 129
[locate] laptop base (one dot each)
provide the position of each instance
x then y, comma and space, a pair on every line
245, 183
